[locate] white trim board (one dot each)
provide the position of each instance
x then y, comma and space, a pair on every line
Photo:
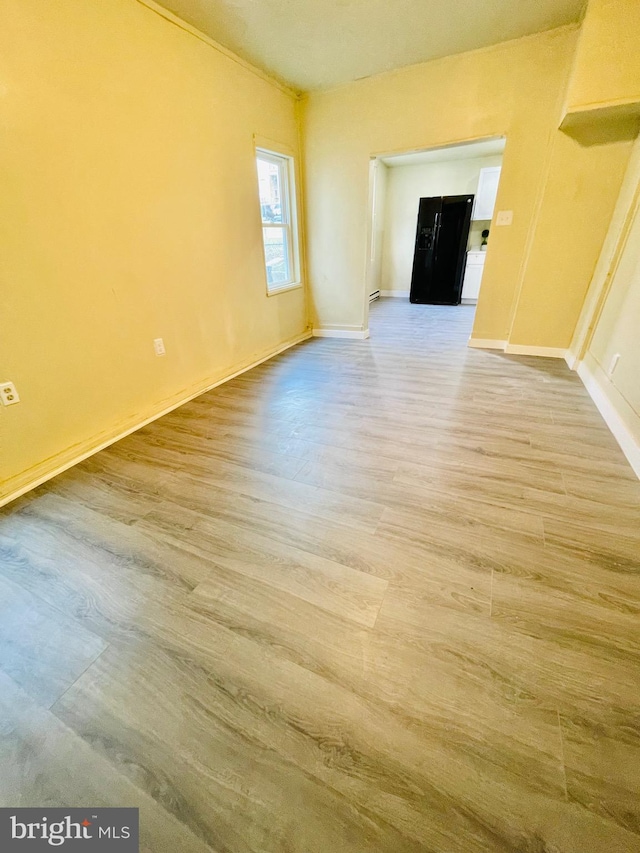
487, 343
572, 360
400, 294
349, 332
517, 349
544, 352
41, 478
610, 403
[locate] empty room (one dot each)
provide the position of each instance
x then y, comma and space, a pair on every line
320, 426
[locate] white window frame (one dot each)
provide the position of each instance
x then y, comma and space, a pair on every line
289, 224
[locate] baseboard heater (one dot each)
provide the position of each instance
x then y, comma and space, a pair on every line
374, 295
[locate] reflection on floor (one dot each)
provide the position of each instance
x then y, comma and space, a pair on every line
371, 596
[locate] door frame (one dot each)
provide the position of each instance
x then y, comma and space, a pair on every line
379, 155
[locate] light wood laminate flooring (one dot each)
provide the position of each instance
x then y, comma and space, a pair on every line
370, 597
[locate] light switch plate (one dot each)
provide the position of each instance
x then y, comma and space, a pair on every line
158, 346
504, 217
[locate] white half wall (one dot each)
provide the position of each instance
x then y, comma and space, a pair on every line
379, 181
619, 416
610, 323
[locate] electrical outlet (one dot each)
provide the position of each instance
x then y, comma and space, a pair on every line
8, 394
158, 346
504, 217
613, 363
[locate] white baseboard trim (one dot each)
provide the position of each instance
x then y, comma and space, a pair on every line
400, 294
572, 360
468, 301
517, 349
350, 332
486, 343
610, 404
544, 352
100, 443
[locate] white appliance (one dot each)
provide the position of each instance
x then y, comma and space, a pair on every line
472, 277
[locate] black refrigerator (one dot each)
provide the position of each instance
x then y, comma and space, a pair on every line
441, 244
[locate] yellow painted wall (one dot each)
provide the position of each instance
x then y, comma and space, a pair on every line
607, 66
128, 212
577, 203
515, 89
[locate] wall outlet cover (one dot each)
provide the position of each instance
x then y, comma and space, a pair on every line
504, 217
8, 394
158, 346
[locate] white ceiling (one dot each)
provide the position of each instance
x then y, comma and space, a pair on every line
315, 44
465, 151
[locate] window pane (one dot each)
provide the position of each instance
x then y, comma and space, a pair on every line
278, 212
276, 255
270, 183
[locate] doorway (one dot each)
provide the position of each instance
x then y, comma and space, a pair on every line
431, 219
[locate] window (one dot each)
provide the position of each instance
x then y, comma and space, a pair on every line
277, 207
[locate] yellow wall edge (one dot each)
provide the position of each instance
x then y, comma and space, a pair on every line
194, 31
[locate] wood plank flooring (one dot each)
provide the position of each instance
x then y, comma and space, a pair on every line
371, 597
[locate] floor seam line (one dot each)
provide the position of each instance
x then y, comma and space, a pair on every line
562, 760
491, 595
51, 707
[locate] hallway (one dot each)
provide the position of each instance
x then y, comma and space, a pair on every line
369, 597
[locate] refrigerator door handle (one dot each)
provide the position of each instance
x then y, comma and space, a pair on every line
436, 235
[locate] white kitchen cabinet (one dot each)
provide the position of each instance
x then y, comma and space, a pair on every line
487, 192
472, 276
